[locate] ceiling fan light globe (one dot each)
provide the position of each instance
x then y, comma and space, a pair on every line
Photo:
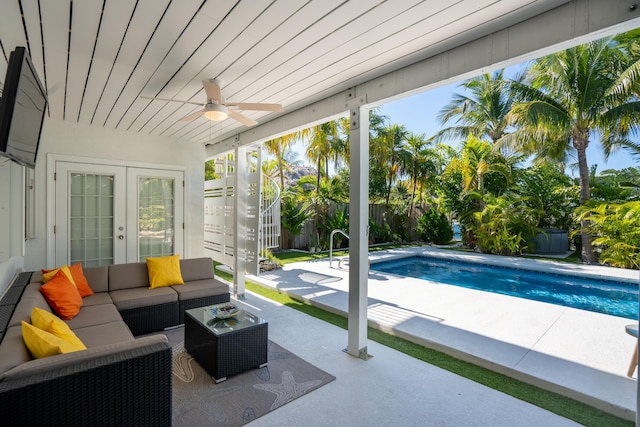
215, 116
216, 112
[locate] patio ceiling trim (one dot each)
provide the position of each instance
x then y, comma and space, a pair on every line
570, 24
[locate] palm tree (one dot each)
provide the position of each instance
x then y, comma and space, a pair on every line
484, 173
483, 113
325, 144
417, 161
584, 92
478, 160
387, 151
279, 147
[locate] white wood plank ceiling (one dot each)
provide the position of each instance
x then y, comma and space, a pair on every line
97, 57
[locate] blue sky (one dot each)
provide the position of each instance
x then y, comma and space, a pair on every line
419, 114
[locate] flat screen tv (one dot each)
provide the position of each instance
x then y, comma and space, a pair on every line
22, 108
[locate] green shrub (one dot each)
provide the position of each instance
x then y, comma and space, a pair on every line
497, 239
433, 226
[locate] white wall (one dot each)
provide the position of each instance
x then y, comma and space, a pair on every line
11, 221
61, 138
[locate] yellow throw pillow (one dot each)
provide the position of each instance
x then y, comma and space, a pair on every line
164, 271
51, 323
49, 274
43, 344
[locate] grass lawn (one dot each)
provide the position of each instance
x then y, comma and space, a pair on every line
553, 402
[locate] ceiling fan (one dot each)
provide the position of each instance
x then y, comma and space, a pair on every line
216, 109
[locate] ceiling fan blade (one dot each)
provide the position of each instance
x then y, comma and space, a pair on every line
254, 106
212, 88
192, 116
242, 118
172, 100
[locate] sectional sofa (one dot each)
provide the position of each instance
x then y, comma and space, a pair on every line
119, 379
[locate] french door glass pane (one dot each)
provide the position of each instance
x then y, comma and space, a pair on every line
91, 219
156, 222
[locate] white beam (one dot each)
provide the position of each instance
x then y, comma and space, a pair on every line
358, 232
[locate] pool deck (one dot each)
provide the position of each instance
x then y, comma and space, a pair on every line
577, 353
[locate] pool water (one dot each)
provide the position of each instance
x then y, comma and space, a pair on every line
602, 296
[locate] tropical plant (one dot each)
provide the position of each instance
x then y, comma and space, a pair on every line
479, 163
481, 172
377, 181
337, 221
616, 231
588, 91
613, 185
210, 170
273, 260
294, 213
434, 227
549, 191
505, 226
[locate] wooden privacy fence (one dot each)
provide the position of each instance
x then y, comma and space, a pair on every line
308, 232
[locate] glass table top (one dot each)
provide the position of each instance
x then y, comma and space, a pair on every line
243, 319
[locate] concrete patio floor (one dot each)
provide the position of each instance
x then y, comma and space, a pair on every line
578, 353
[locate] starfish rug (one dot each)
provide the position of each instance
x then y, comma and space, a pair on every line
199, 401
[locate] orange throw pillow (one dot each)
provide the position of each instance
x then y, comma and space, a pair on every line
48, 274
81, 281
62, 296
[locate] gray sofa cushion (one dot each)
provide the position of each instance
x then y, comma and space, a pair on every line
95, 315
96, 299
97, 278
36, 277
13, 351
196, 269
31, 298
126, 299
200, 289
107, 333
127, 276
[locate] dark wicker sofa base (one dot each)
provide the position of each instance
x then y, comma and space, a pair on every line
99, 392
151, 318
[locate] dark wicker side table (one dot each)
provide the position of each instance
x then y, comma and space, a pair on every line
225, 347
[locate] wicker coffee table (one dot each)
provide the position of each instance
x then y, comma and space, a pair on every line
225, 347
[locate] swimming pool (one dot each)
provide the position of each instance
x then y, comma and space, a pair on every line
600, 296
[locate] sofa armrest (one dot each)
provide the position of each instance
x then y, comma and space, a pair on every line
120, 384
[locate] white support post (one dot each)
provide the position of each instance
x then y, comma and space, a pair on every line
240, 213
358, 232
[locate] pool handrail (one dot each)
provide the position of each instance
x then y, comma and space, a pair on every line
331, 244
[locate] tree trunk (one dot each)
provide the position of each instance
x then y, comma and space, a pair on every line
580, 144
413, 192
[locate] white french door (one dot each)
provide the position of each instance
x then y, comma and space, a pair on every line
114, 214
156, 218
